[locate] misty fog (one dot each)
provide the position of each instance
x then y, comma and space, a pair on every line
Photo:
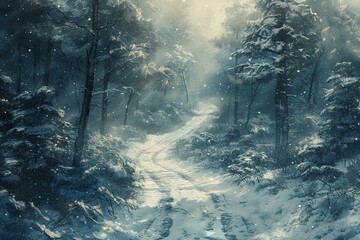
179, 119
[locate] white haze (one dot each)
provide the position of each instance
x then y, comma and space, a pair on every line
354, 4
205, 23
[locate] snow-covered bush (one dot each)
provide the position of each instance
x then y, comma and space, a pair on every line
212, 148
232, 134
202, 140
325, 198
105, 172
325, 172
273, 183
157, 114
312, 149
247, 141
261, 126
239, 155
91, 196
248, 167
224, 156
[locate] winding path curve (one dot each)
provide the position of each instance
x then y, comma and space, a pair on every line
180, 200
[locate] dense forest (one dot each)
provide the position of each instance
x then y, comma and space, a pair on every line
179, 119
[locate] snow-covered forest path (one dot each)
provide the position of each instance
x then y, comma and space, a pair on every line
181, 201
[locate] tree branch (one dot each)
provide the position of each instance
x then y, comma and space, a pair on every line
67, 19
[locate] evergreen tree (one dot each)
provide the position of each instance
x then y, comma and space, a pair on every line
341, 130
277, 45
339, 26
340, 30
38, 140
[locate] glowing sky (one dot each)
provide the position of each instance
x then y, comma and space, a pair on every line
207, 17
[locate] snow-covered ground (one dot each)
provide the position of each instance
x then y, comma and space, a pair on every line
181, 200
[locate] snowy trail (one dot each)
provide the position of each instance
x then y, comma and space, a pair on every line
180, 200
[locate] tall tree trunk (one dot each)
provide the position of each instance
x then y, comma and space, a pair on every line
236, 103
281, 101
131, 95
229, 105
183, 76
236, 89
286, 125
278, 115
105, 98
48, 54
312, 83
229, 97
254, 92
281, 118
36, 66
89, 86
19, 50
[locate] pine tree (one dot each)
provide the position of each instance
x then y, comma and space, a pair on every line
341, 130
38, 141
276, 46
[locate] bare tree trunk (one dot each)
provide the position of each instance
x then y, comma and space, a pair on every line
281, 118
89, 86
105, 98
228, 113
48, 54
36, 66
313, 79
249, 112
286, 125
316, 95
229, 106
19, 50
236, 90
236, 103
131, 95
254, 93
183, 76
282, 103
278, 114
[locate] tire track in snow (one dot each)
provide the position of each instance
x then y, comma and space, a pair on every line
179, 200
